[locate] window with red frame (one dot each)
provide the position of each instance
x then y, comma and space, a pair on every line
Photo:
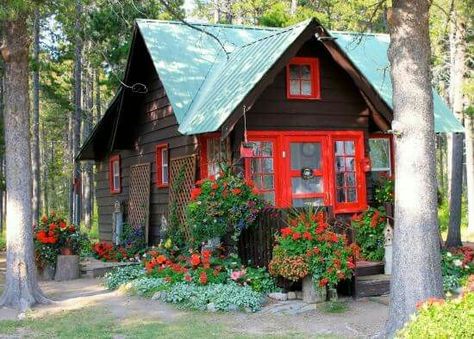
260, 169
162, 160
215, 153
114, 174
302, 78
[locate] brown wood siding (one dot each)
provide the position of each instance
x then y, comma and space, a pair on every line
341, 106
147, 120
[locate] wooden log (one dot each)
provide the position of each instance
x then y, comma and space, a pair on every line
67, 267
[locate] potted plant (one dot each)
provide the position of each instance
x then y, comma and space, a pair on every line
310, 250
222, 206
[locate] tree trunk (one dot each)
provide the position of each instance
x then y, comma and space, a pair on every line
293, 7
76, 215
2, 155
87, 128
416, 273
21, 286
458, 70
455, 197
98, 101
469, 139
35, 157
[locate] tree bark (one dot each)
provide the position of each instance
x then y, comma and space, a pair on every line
35, 157
77, 116
416, 273
87, 128
21, 286
455, 198
469, 139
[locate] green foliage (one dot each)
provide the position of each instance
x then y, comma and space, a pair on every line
227, 297
146, 286
384, 190
450, 319
369, 233
308, 246
225, 205
260, 280
443, 214
334, 307
122, 275
3, 242
133, 240
456, 267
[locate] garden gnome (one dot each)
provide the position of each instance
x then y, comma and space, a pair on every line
388, 235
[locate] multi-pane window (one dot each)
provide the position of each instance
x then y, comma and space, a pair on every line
162, 164
345, 166
303, 78
114, 174
215, 154
380, 155
262, 171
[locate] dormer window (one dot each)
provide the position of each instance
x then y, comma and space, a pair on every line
302, 78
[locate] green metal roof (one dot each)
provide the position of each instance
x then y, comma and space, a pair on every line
368, 52
205, 84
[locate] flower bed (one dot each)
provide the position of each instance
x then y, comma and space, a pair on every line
456, 265
308, 247
197, 280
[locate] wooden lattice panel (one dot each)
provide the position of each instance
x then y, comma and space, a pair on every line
182, 178
139, 197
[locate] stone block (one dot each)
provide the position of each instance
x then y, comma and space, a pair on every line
67, 268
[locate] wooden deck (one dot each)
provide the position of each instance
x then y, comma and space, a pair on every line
370, 280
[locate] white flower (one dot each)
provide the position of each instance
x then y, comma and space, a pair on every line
457, 262
449, 254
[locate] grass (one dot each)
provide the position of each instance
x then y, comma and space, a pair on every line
334, 307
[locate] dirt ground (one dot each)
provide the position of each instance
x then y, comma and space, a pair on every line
363, 318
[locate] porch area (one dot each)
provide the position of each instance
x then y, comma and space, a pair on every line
256, 246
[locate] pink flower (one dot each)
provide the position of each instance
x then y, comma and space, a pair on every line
236, 275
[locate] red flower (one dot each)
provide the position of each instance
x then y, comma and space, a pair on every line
296, 236
307, 236
214, 186
72, 229
62, 225
316, 250
286, 232
161, 259
350, 264
195, 259
196, 192
356, 217
203, 278
52, 227
375, 219
323, 282
44, 219
188, 278
236, 191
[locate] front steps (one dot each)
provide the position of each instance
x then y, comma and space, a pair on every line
370, 280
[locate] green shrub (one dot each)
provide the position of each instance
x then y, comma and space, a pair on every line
3, 242
369, 233
227, 297
451, 319
260, 280
146, 286
122, 275
455, 268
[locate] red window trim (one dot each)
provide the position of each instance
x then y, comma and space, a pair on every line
281, 167
159, 165
112, 159
315, 80
202, 142
379, 135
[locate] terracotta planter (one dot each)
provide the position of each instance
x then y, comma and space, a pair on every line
66, 251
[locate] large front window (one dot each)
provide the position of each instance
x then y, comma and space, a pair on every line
296, 169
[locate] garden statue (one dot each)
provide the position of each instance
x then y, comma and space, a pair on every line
117, 222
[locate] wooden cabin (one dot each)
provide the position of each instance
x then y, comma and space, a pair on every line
314, 107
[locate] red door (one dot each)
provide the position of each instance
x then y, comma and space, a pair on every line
305, 171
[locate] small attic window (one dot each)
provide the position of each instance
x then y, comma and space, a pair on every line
302, 78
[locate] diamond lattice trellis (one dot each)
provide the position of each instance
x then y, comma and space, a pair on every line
139, 197
182, 178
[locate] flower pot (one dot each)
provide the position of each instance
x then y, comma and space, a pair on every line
313, 294
66, 251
